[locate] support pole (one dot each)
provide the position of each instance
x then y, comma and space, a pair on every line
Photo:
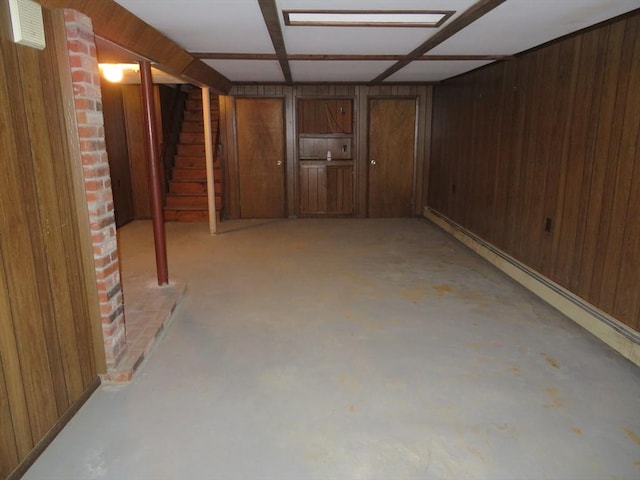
155, 183
208, 148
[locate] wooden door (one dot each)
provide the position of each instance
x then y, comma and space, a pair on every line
392, 130
261, 157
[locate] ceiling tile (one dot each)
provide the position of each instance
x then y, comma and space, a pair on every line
434, 71
248, 70
519, 25
337, 71
207, 26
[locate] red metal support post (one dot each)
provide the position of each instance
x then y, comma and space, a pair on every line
155, 182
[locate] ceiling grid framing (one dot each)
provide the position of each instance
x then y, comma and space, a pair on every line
269, 11
249, 40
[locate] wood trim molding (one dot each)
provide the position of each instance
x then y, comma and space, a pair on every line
269, 11
478, 10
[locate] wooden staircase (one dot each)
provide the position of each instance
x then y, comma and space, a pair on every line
186, 200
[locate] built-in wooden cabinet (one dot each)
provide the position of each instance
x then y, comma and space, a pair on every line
325, 156
326, 189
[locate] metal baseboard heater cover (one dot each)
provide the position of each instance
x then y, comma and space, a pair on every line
630, 336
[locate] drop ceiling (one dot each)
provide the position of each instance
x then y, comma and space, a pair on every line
233, 37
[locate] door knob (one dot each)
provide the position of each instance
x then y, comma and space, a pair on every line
279, 162
372, 162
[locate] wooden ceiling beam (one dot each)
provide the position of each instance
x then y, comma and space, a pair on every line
476, 11
272, 21
121, 27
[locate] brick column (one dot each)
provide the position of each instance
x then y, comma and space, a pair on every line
97, 180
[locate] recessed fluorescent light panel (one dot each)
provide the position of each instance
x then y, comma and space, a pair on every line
366, 18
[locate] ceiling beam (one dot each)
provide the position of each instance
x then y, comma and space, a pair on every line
476, 11
118, 25
349, 57
272, 21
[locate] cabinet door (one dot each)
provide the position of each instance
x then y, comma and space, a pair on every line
313, 189
340, 189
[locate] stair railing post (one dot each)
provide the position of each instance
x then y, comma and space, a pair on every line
155, 184
208, 149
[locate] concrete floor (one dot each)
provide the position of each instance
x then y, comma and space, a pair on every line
353, 349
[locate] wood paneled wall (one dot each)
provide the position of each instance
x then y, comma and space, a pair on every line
136, 144
325, 116
47, 360
115, 132
360, 95
540, 156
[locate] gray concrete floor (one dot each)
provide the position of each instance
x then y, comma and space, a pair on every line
353, 349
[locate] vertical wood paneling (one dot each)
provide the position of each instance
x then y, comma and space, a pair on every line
8, 448
136, 146
549, 150
324, 116
46, 348
53, 194
504, 162
116, 142
552, 134
612, 43
30, 298
626, 300
629, 113
136, 150
229, 156
16, 425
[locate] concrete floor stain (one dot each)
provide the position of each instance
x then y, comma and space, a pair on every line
550, 360
415, 295
442, 289
577, 431
556, 401
632, 435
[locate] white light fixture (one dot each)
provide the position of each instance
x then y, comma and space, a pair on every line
366, 18
114, 72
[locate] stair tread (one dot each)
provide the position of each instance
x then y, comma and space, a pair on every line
192, 180
188, 194
187, 208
